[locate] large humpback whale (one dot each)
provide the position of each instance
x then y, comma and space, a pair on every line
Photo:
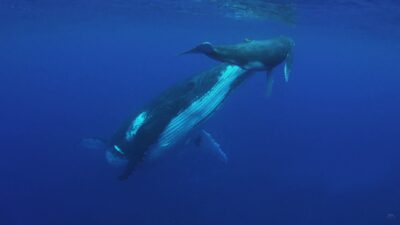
252, 54
176, 116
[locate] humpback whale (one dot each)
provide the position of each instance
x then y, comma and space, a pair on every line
173, 118
176, 115
258, 55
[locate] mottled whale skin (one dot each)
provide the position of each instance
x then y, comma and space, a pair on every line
174, 115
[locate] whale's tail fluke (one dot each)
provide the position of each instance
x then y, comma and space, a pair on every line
205, 48
94, 143
98, 144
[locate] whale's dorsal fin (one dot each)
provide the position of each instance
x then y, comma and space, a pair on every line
205, 47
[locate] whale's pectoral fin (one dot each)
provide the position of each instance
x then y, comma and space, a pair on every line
270, 83
288, 66
207, 142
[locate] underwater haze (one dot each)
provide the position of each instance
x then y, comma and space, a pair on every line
323, 149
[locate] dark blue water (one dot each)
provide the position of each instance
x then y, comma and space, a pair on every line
322, 150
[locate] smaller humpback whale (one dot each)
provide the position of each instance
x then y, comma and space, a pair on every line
258, 55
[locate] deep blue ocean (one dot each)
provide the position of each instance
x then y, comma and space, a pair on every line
324, 149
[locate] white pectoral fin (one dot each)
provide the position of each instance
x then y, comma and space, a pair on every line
288, 66
286, 70
209, 144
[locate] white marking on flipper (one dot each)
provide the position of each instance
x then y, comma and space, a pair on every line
286, 70
288, 66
